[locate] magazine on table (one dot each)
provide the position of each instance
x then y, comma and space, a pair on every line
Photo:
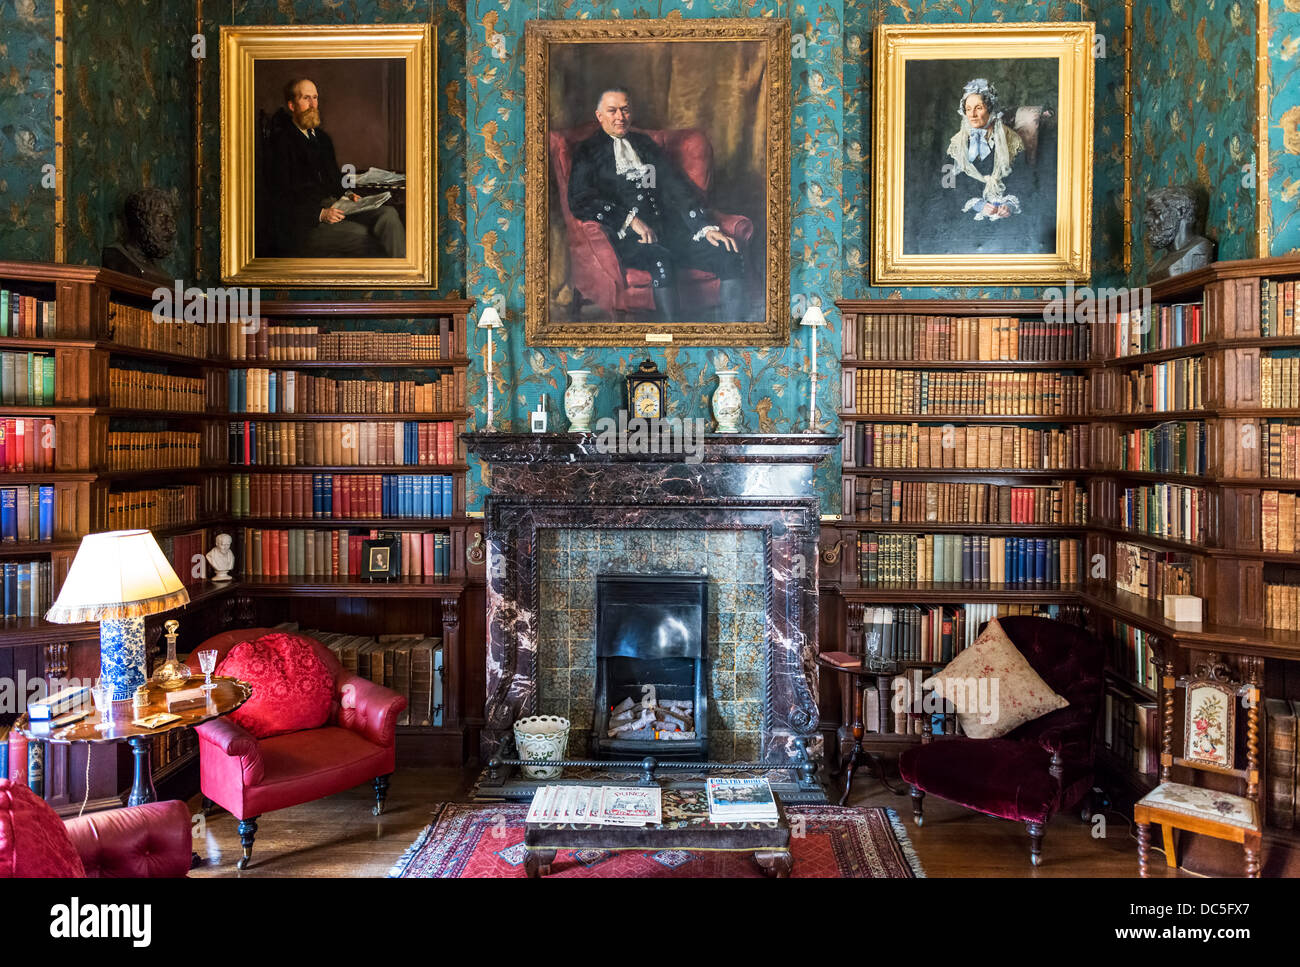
597, 805
741, 801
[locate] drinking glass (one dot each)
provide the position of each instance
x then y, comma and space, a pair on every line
103, 696
208, 664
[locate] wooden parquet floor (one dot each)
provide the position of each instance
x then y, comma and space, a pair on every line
338, 837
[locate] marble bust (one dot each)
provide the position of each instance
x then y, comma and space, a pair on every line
222, 558
1170, 219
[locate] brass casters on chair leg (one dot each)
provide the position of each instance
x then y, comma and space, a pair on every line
381, 793
247, 830
1036, 831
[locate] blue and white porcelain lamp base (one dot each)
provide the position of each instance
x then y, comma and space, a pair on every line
122, 655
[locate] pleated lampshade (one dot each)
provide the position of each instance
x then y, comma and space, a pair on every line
117, 574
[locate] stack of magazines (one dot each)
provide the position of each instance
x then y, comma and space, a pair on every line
597, 805
741, 801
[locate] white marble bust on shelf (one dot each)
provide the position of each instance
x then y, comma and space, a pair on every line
222, 558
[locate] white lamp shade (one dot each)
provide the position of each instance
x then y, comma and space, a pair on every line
118, 574
489, 318
812, 316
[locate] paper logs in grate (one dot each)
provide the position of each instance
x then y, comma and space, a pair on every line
652, 719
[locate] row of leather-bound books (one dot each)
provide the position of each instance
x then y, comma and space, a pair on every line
921, 501
289, 391
292, 443
141, 387
920, 446
947, 393
974, 338
153, 449
409, 664
976, 560
288, 342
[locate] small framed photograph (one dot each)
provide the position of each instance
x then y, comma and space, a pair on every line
381, 559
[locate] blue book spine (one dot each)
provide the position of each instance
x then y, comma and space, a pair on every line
45, 518
317, 498
1040, 561
271, 393
232, 389
386, 495
446, 496
9, 514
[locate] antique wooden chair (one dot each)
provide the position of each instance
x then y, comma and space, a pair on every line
1209, 745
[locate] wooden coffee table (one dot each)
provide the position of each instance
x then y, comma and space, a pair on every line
686, 826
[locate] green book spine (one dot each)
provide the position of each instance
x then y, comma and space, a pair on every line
47, 380
4, 312
31, 380
7, 379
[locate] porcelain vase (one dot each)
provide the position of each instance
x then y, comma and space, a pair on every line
579, 401
542, 737
726, 402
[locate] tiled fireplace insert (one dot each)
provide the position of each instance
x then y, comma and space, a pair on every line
562, 510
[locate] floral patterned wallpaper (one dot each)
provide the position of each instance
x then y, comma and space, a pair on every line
1284, 126
26, 128
1193, 115
774, 381
129, 92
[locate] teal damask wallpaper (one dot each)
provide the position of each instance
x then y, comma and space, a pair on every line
774, 381
1193, 114
1284, 128
26, 128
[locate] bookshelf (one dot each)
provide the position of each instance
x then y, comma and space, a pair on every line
138, 419
1184, 446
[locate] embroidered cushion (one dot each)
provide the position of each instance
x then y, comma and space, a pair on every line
292, 688
1221, 807
993, 687
33, 841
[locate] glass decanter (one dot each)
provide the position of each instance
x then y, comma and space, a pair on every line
171, 674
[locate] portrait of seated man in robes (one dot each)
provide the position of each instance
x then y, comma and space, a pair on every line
312, 215
650, 210
991, 188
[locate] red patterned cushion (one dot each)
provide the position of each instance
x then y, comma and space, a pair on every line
33, 841
292, 688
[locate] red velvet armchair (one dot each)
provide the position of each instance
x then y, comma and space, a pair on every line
594, 268
1037, 770
152, 840
249, 776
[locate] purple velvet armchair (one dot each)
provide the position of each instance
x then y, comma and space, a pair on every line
1037, 770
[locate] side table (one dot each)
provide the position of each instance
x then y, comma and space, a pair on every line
859, 677
228, 695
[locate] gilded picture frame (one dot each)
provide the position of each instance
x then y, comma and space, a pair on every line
710, 109
372, 87
982, 153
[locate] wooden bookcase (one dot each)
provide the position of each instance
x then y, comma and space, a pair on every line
98, 331
1228, 562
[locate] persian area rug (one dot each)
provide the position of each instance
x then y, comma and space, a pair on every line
487, 840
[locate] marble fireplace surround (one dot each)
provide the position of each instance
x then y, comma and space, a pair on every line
760, 482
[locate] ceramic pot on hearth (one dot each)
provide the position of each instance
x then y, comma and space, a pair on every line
726, 402
579, 401
542, 737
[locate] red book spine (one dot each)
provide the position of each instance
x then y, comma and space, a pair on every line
416, 545
423, 438
282, 546
426, 540
376, 495
336, 496
18, 758
248, 452
354, 555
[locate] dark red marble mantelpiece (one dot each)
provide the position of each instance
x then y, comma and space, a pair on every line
758, 482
